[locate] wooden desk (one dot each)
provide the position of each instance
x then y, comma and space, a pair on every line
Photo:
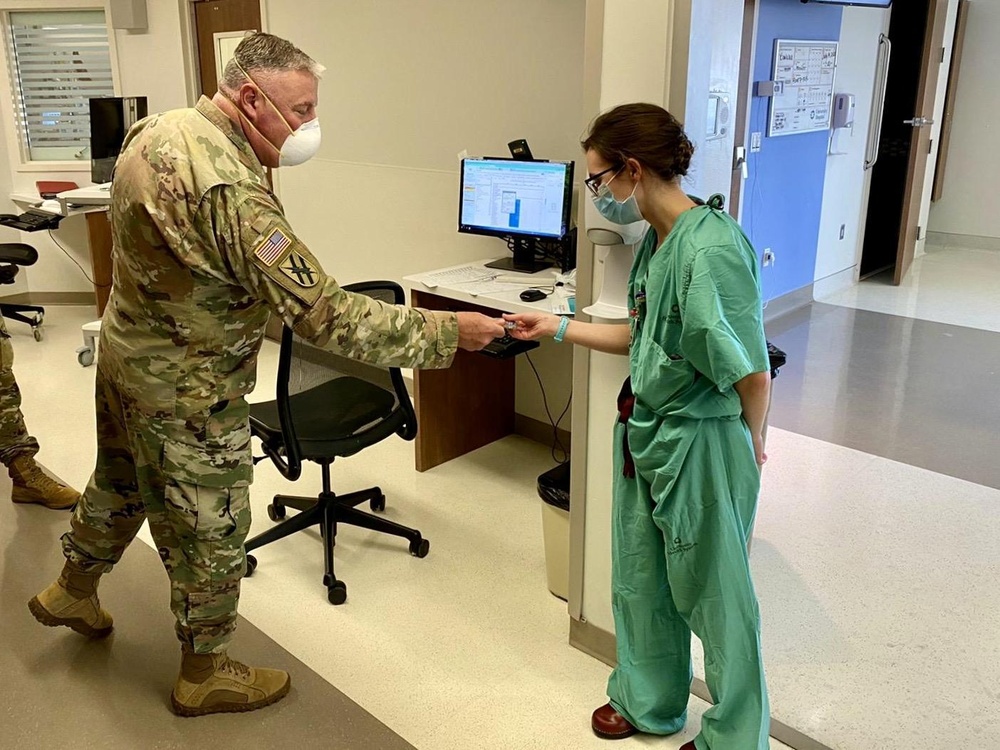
98, 232
94, 201
470, 404
99, 239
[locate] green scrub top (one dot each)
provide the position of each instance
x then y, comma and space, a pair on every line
696, 319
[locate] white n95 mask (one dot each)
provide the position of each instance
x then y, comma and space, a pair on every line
301, 145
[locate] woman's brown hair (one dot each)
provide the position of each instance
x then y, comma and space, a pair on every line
644, 132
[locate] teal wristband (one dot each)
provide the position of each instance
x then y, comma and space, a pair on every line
563, 325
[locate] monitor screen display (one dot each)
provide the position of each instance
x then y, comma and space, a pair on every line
863, 3
505, 197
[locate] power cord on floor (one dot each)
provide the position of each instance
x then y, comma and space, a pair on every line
556, 442
66, 253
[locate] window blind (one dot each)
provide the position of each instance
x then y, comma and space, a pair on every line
61, 60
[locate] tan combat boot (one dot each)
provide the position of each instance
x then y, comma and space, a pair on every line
32, 485
214, 683
72, 602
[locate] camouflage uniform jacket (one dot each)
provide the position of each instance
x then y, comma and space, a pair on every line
202, 251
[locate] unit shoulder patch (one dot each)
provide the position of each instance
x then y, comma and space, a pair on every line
300, 269
285, 262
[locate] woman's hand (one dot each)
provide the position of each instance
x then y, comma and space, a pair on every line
532, 326
758, 449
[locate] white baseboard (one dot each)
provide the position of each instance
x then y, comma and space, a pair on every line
966, 241
787, 303
835, 283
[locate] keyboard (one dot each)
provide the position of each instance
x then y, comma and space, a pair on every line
31, 220
507, 346
462, 275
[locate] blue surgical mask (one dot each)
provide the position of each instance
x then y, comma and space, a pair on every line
617, 212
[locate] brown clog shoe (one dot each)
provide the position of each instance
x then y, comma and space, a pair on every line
608, 724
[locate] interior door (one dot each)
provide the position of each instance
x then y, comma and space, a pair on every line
219, 25
920, 145
716, 100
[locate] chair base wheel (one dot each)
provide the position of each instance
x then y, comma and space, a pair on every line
420, 548
377, 504
251, 566
337, 593
276, 511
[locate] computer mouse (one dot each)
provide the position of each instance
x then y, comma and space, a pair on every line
533, 295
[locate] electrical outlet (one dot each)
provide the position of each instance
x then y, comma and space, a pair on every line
843, 230
768, 258
755, 142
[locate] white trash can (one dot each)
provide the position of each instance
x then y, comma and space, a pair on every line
553, 488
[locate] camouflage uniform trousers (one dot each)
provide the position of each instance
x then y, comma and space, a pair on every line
191, 479
14, 437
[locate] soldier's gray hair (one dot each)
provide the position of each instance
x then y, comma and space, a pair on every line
265, 53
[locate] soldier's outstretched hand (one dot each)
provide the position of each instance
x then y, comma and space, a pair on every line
475, 330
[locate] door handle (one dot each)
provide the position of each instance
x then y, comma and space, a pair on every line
919, 122
882, 83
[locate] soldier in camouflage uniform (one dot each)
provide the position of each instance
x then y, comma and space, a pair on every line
18, 448
202, 253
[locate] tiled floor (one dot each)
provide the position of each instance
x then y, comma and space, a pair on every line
947, 285
877, 578
463, 649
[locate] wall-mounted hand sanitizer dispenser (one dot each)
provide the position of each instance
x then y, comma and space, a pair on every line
843, 111
615, 249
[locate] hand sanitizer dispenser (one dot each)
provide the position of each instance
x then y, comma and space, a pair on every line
614, 246
843, 111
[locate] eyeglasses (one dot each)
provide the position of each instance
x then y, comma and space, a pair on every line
594, 183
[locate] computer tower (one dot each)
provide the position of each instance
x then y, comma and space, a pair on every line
110, 120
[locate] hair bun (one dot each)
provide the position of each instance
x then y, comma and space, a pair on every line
683, 155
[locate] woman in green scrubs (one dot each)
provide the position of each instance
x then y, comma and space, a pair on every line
688, 442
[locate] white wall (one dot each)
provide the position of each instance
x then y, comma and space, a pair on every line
969, 202
149, 63
843, 192
635, 68
938, 117
408, 86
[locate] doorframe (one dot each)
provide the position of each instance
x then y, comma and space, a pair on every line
950, 97
189, 45
744, 97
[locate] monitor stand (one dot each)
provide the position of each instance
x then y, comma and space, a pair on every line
524, 260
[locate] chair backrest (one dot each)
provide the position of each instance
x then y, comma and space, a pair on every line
17, 253
331, 404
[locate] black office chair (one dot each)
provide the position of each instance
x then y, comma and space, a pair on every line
328, 407
12, 255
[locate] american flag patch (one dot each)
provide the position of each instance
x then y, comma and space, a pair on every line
272, 246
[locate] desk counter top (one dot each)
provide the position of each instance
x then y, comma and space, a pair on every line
489, 293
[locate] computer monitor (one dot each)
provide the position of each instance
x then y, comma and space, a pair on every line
522, 201
110, 120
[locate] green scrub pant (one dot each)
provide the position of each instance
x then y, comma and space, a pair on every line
680, 565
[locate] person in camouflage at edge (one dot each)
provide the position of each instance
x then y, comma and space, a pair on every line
202, 253
18, 448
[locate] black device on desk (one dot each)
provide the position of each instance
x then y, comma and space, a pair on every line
110, 120
32, 220
533, 295
508, 346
